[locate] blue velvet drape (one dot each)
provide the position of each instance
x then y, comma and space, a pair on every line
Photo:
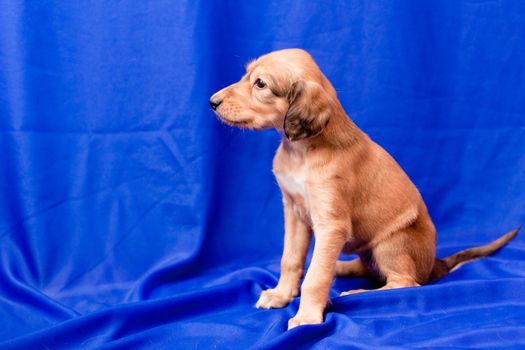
131, 218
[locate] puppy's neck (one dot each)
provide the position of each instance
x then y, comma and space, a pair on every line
340, 132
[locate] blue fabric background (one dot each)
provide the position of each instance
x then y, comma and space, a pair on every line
131, 218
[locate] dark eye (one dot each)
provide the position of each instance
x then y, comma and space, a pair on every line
260, 84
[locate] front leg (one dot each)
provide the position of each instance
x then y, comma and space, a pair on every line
297, 235
318, 279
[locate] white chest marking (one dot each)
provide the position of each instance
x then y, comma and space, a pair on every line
293, 185
294, 188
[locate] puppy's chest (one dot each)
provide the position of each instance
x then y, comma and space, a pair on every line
294, 186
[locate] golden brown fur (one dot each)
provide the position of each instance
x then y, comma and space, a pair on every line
336, 182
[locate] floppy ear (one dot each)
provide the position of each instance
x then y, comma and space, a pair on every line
308, 111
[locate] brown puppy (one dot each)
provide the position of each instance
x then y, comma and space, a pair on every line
336, 182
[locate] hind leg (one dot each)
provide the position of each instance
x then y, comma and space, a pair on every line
398, 283
354, 268
398, 264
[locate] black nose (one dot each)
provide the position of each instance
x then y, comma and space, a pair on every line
215, 102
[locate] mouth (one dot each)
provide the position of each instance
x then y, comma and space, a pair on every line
243, 124
239, 123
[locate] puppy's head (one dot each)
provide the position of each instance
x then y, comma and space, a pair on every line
284, 90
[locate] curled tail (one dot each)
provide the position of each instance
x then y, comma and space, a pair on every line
444, 266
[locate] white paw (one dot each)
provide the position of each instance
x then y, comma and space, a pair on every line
273, 299
353, 291
302, 319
